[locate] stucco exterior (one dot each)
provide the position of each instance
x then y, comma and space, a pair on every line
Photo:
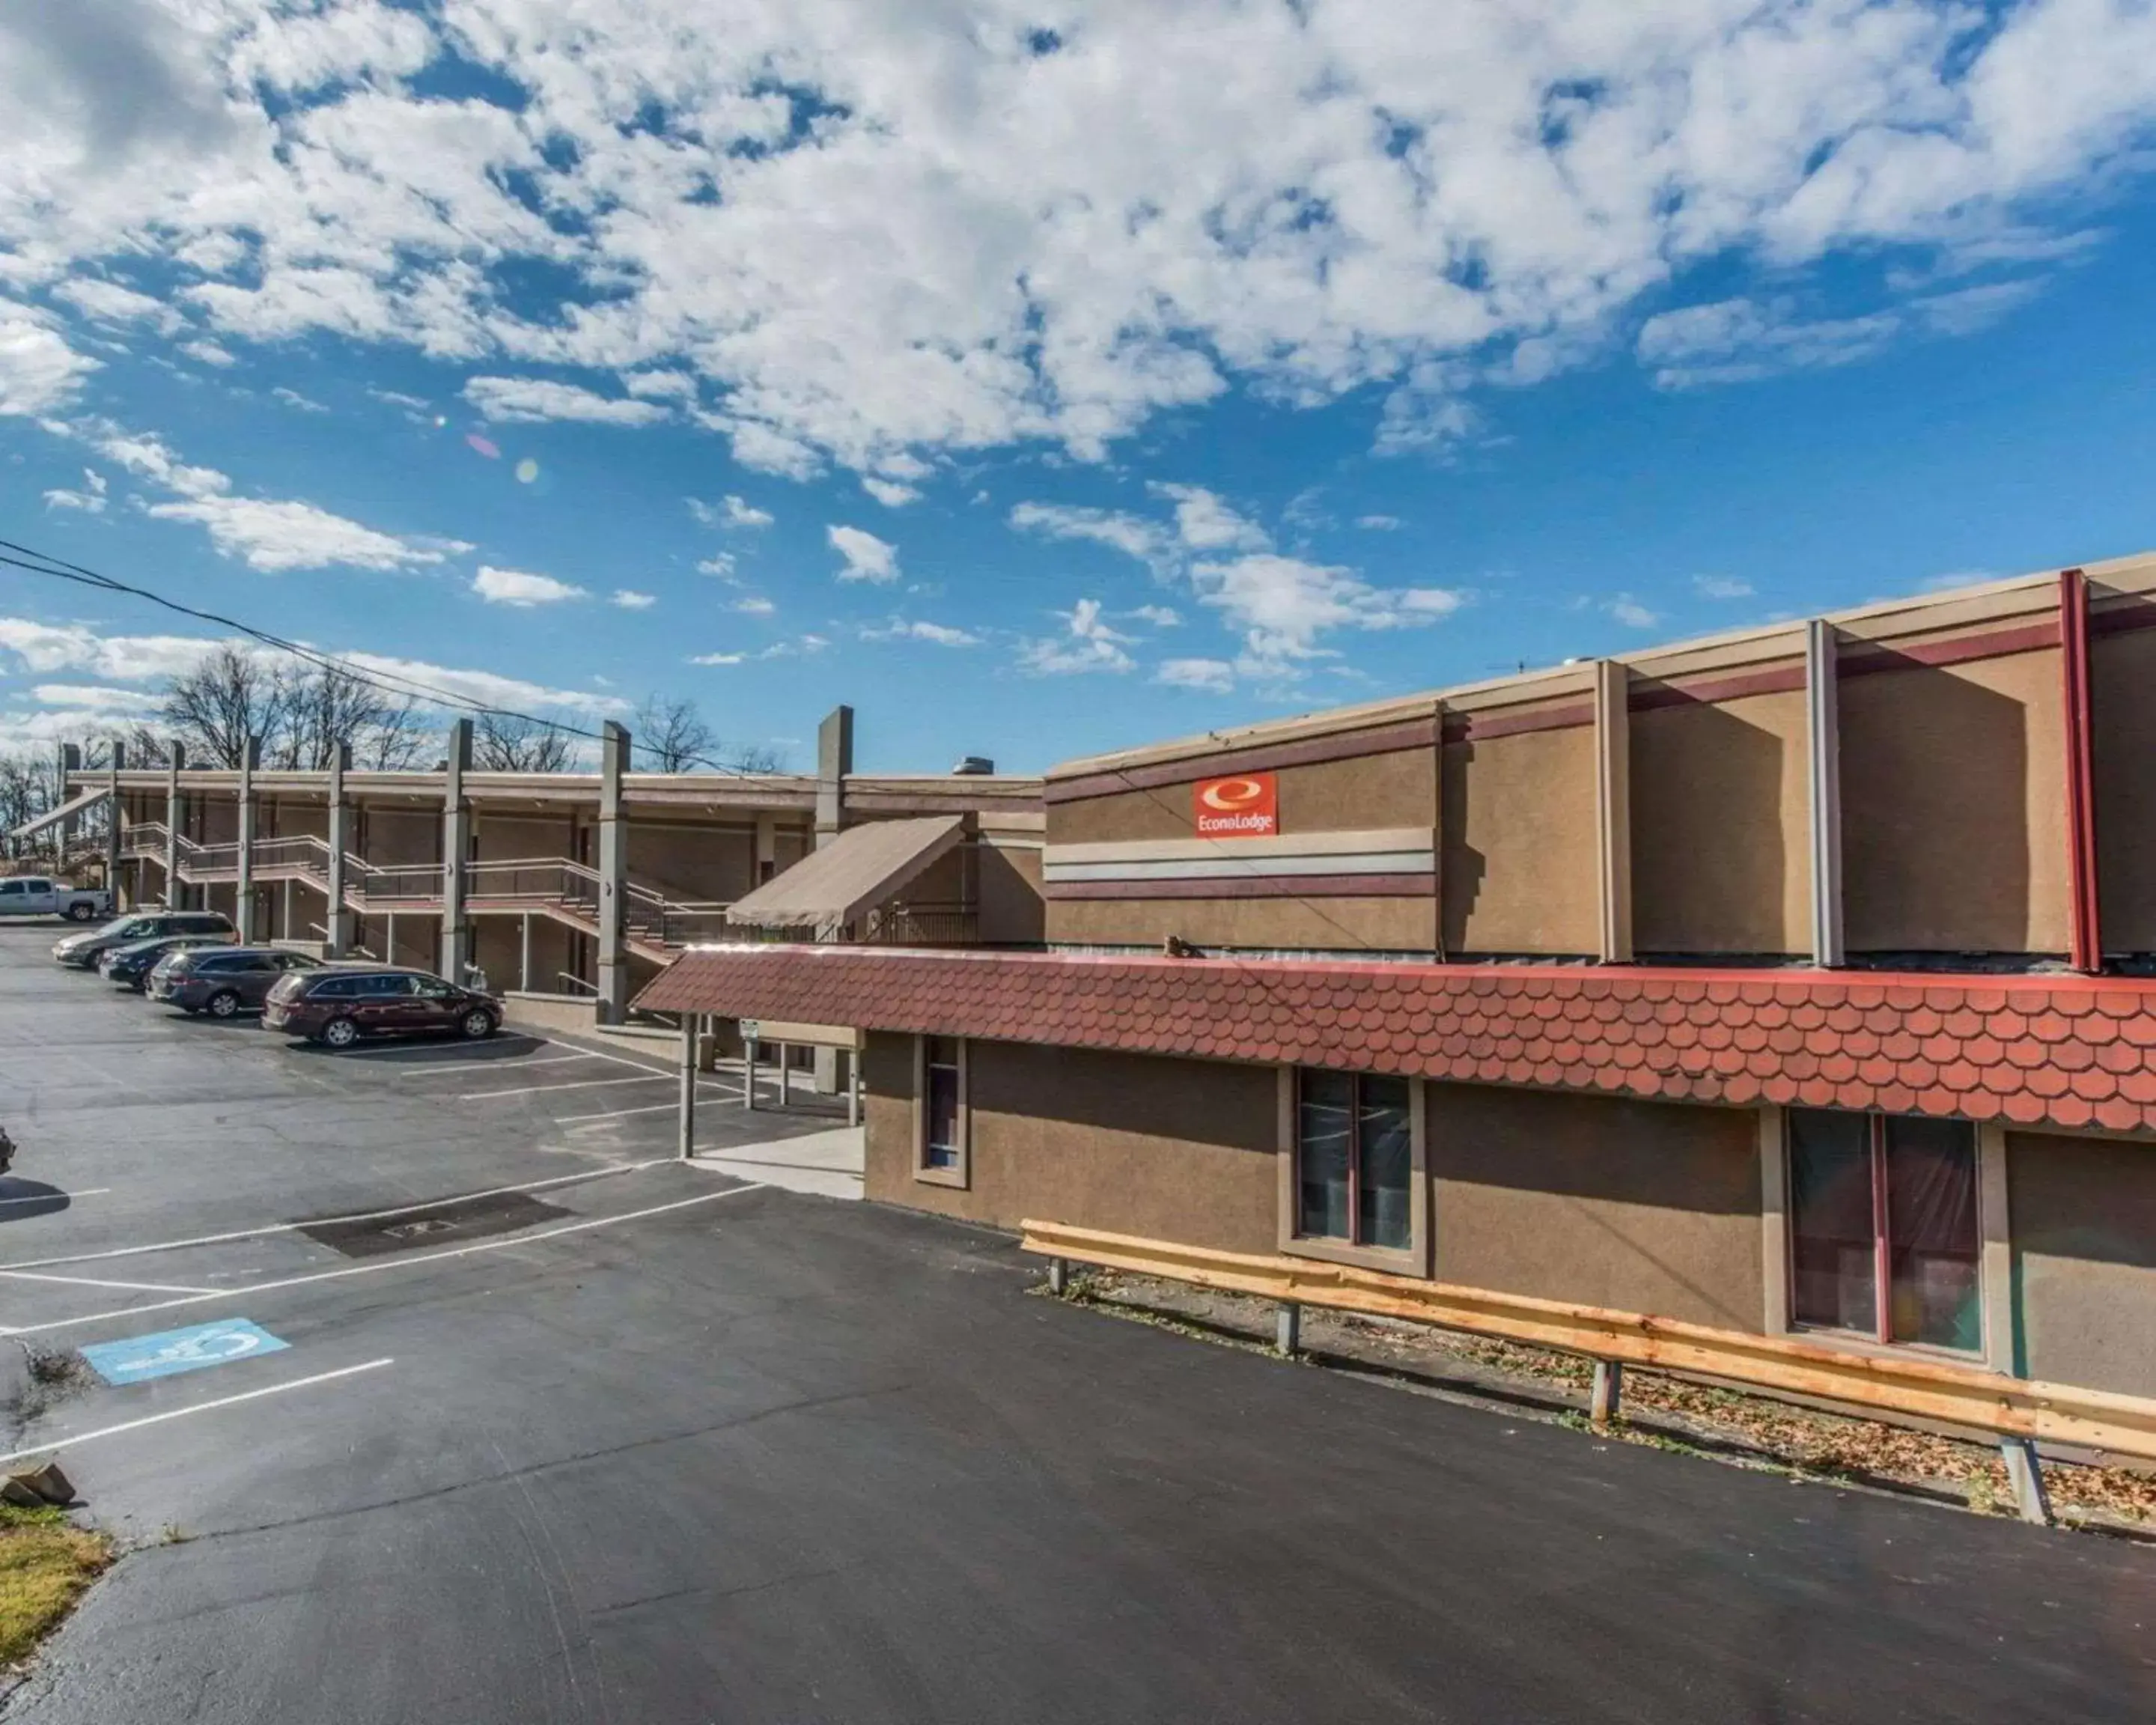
2122, 678
1517, 831
2082, 1213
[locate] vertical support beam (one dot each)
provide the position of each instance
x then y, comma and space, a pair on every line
389, 938
1606, 1401
1613, 807
1773, 1223
250, 757
112, 825
748, 1071
834, 761
853, 1090
524, 954
785, 1077
687, 1145
2085, 936
767, 847
613, 875
456, 853
1822, 748
337, 943
2001, 1319
1287, 1330
285, 911
175, 894
70, 764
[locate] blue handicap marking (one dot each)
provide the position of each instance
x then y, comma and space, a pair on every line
171, 1351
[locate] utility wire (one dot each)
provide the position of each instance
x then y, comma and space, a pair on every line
44, 563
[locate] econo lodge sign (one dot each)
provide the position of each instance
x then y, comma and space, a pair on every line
1247, 807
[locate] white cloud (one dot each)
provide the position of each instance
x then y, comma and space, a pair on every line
1630, 612
38, 371
667, 386
1131, 534
1205, 521
630, 600
1086, 643
753, 606
778, 649
90, 499
941, 633
1378, 523
866, 231
1215, 675
516, 587
731, 512
1721, 587
516, 400
1284, 604
720, 563
109, 302
99, 696
889, 492
210, 353
867, 557
293, 399
1159, 616
398, 399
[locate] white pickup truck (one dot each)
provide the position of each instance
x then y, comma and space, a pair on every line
38, 896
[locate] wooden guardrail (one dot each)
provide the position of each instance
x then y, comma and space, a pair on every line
2011, 1408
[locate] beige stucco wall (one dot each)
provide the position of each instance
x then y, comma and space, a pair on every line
704, 862
1383, 925
401, 835
2082, 1215
496, 949
2123, 682
292, 817
1519, 836
1953, 808
513, 838
1371, 792
1011, 908
1641, 1206
1170, 1149
1720, 856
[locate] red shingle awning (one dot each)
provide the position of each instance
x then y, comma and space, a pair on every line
2070, 1052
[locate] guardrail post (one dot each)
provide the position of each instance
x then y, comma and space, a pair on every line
1287, 1330
176, 895
337, 930
2024, 1474
1606, 1401
1059, 1276
250, 757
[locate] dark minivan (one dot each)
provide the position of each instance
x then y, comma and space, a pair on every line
226, 981
82, 951
338, 1006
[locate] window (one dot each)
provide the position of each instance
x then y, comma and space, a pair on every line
1355, 1160
1883, 1233
939, 1125
14, 889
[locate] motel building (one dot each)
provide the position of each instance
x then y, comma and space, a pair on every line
567, 891
1793, 984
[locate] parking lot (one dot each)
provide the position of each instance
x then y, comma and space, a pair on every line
443, 1391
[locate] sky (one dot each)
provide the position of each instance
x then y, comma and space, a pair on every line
1047, 378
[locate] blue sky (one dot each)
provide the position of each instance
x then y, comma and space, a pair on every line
1047, 380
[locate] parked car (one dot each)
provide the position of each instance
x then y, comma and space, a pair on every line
41, 896
336, 1005
227, 981
82, 951
130, 965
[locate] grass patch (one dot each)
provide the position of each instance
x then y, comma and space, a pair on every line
46, 1562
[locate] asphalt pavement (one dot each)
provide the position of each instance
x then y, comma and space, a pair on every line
625, 1441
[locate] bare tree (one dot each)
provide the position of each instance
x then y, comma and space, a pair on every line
504, 743
228, 698
671, 736
324, 706
396, 742
754, 757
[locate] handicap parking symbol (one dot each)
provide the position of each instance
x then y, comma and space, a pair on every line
189, 1350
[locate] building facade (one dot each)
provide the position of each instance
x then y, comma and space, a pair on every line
1794, 982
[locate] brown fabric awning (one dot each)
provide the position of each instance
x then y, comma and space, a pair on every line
859, 868
53, 817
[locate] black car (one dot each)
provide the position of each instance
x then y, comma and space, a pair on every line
225, 981
81, 952
130, 965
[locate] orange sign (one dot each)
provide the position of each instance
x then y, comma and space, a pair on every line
1244, 808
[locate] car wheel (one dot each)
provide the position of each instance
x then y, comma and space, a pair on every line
80, 912
224, 1003
339, 1033
478, 1024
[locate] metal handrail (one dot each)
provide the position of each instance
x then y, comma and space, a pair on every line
563, 976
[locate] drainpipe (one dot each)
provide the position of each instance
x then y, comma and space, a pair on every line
456, 846
176, 758
612, 1006
337, 937
251, 758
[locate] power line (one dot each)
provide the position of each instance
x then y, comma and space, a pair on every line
60, 569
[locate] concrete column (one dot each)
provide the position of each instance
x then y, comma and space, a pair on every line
251, 758
1823, 739
70, 764
456, 848
613, 875
688, 1122
337, 943
767, 847
834, 760
1613, 807
112, 826
523, 953
175, 894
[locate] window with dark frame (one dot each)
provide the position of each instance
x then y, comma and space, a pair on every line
939, 1103
1354, 1154
1884, 1239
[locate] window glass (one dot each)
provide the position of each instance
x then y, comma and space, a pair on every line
940, 1134
1930, 1229
385, 987
1385, 1170
1832, 1242
335, 988
35, 885
1325, 1134
14, 889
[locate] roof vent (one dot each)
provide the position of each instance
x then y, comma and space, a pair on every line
971, 765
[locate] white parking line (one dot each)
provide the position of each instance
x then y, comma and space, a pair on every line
91, 1282
533, 1089
223, 1401
402, 1210
714, 1090
47, 1197
589, 1053
375, 1265
515, 1062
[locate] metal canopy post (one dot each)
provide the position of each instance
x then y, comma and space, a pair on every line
689, 1022
175, 894
251, 758
612, 1007
456, 848
336, 937
112, 833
